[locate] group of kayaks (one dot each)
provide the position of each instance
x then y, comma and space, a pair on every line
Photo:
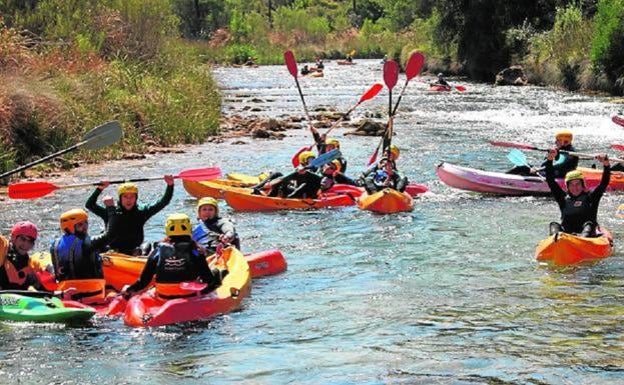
236, 191
148, 308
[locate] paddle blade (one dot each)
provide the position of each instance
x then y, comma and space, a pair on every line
295, 158
619, 147
200, 174
102, 136
30, 190
371, 93
414, 65
291, 63
512, 145
620, 211
391, 73
517, 157
116, 306
460, 88
325, 158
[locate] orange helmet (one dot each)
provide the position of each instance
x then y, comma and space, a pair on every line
70, 218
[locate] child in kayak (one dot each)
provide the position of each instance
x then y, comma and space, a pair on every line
562, 164
332, 174
386, 176
15, 270
124, 223
212, 228
176, 259
302, 183
392, 154
579, 207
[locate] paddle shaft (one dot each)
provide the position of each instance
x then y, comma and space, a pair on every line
44, 159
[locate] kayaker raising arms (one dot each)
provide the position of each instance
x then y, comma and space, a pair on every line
15, 270
124, 223
176, 259
579, 207
325, 144
212, 228
563, 162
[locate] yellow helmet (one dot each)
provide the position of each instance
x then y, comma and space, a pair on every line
305, 156
337, 164
333, 142
564, 135
178, 224
208, 201
574, 175
127, 188
395, 152
70, 218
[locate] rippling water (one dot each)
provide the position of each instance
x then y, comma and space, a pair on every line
447, 294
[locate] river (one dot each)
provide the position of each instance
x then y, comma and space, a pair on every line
447, 294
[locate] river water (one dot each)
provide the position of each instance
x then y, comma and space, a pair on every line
447, 294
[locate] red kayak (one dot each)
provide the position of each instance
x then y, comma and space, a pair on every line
440, 88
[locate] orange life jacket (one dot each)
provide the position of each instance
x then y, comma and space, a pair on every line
14, 275
88, 291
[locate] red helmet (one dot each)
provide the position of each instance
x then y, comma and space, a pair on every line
25, 228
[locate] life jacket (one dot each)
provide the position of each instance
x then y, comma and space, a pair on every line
15, 276
203, 235
88, 291
174, 266
68, 253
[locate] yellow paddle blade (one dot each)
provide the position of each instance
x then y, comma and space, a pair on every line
352, 53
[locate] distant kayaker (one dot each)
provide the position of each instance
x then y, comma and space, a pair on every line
349, 58
176, 259
125, 221
305, 70
384, 60
386, 176
563, 163
16, 272
579, 207
319, 64
441, 81
302, 183
250, 62
213, 229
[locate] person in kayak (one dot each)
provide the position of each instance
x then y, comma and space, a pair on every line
212, 228
579, 207
305, 70
349, 58
384, 60
175, 260
332, 174
386, 176
319, 64
250, 62
392, 154
124, 222
303, 183
16, 272
441, 81
562, 164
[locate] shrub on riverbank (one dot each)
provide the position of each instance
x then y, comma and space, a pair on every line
69, 65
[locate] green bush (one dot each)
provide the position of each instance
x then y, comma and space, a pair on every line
607, 50
238, 53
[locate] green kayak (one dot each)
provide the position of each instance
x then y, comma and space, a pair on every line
16, 307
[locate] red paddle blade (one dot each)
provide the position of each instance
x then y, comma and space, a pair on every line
200, 174
295, 158
414, 65
30, 190
460, 88
371, 93
618, 120
193, 286
511, 145
391, 73
619, 147
291, 63
116, 306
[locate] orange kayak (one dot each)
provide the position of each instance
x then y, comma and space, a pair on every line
149, 309
386, 201
246, 201
121, 269
569, 249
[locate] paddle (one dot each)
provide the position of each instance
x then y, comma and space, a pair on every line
314, 163
619, 147
371, 93
580, 155
291, 64
34, 190
518, 158
29, 293
391, 76
99, 137
619, 120
619, 212
412, 69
